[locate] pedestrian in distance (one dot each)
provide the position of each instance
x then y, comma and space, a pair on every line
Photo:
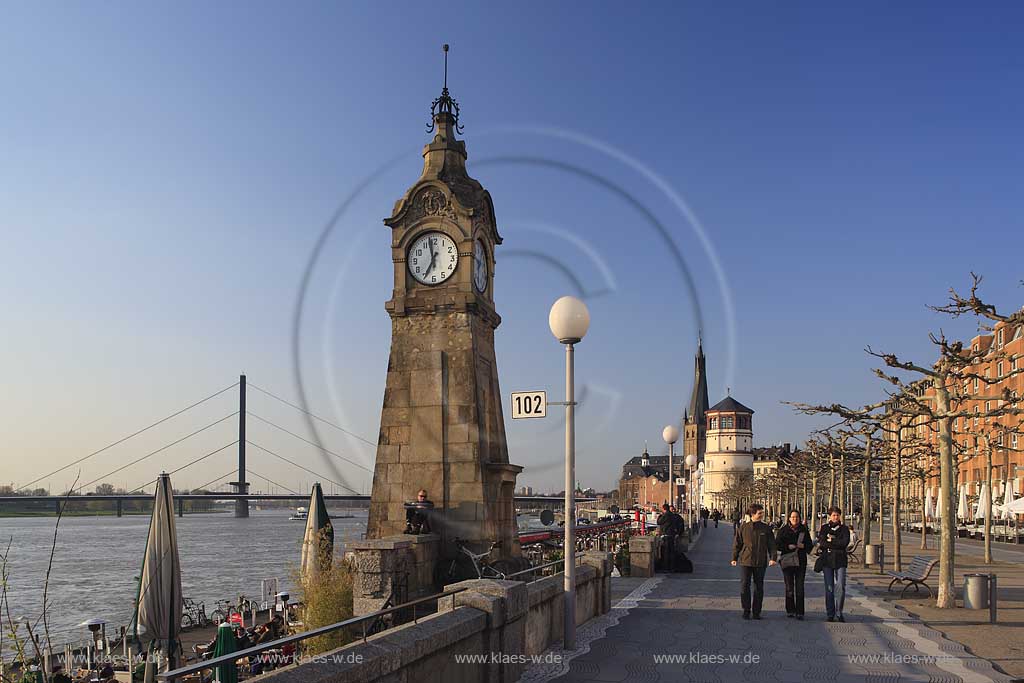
793, 539
833, 541
753, 549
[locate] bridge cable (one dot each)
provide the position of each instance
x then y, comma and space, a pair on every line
295, 464
315, 417
223, 476
280, 486
159, 450
329, 452
189, 464
120, 441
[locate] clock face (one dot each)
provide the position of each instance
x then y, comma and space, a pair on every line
432, 258
479, 267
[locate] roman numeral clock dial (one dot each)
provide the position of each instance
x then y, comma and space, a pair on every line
432, 258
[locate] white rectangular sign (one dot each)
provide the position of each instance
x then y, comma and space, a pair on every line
529, 404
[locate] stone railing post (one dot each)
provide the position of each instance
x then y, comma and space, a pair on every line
381, 569
643, 551
506, 604
602, 562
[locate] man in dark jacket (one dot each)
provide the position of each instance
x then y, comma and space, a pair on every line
753, 549
833, 541
670, 525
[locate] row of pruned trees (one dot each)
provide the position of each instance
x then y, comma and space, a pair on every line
933, 418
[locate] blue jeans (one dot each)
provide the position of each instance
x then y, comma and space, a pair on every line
835, 590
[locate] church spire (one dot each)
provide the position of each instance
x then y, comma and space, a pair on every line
699, 402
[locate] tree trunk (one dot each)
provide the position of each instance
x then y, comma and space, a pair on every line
924, 519
832, 480
814, 501
865, 498
897, 497
946, 597
991, 495
842, 482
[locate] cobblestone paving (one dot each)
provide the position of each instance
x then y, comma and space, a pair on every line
696, 619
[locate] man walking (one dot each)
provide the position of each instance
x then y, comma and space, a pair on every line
833, 544
753, 549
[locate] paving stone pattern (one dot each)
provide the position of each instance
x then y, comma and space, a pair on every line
697, 617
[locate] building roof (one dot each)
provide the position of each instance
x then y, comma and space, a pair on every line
729, 404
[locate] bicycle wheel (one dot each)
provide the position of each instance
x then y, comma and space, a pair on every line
186, 621
218, 616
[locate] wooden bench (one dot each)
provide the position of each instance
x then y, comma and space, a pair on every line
915, 575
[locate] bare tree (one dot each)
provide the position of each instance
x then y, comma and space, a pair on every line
947, 381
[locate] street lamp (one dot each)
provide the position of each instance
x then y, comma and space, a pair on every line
569, 320
671, 434
691, 460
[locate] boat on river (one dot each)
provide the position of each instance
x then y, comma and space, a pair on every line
300, 513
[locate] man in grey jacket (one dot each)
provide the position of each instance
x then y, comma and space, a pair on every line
753, 549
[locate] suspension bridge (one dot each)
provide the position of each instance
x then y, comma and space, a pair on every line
239, 492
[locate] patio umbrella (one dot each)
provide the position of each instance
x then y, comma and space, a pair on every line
984, 500
961, 508
938, 504
318, 541
1007, 501
226, 644
929, 509
159, 602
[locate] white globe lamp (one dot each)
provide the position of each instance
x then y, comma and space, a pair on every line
569, 320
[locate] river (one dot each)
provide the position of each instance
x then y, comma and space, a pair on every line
98, 559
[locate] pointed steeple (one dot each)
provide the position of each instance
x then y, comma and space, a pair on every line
699, 402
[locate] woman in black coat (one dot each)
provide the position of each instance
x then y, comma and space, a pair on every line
833, 544
794, 537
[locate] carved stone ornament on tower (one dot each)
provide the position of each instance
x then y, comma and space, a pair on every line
441, 426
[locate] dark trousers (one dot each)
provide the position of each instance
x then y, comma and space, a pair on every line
668, 553
756, 573
794, 578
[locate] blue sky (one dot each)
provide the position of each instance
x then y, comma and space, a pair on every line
166, 171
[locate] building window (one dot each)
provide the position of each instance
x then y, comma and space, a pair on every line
977, 410
999, 369
975, 385
999, 338
1013, 363
727, 422
1013, 440
713, 423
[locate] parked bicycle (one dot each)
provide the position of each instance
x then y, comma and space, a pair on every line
193, 614
481, 565
225, 609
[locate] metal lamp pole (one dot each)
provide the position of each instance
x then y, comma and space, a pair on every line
671, 434
569, 320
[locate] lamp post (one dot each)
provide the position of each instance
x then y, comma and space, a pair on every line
671, 434
691, 460
569, 320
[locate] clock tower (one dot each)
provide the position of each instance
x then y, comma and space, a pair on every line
441, 426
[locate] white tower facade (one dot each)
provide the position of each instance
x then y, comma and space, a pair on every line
729, 457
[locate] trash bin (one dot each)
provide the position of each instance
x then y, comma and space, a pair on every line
976, 591
873, 553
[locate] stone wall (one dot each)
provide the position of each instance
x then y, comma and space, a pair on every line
403, 564
499, 622
545, 620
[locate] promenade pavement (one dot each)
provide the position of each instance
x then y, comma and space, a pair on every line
688, 627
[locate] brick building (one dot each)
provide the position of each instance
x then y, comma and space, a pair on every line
1002, 355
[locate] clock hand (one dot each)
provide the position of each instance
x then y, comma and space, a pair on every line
433, 259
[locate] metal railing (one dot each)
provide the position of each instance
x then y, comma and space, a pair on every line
560, 563
233, 657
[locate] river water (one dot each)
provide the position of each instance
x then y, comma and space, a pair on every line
98, 559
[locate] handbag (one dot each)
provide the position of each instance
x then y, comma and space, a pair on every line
819, 564
791, 559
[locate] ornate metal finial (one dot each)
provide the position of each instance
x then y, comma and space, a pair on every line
445, 103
